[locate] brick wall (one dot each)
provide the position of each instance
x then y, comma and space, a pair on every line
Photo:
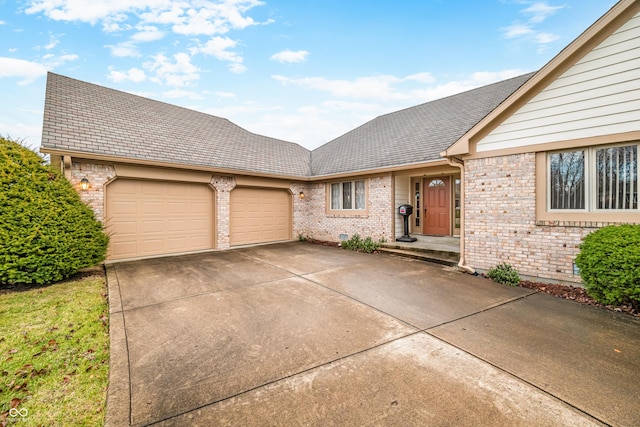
97, 175
309, 214
300, 208
377, 223
500, 221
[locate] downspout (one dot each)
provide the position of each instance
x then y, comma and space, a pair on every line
459, 164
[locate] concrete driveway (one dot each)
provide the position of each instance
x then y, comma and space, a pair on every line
299, 334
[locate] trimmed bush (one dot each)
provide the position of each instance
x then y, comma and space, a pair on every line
355, 243
609, 263
46, 232
505, 274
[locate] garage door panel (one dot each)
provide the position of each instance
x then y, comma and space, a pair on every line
122, 207
177, 225
157, 217
128, 227
198, 207
199, 225
259, 215
151, 246
149, 227
123, 249
176, 207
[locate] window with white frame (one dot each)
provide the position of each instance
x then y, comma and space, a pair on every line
348, 195
594, 179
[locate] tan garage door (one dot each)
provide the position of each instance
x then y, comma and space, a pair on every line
158, 217
259, 215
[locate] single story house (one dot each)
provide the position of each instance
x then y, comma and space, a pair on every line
521, 169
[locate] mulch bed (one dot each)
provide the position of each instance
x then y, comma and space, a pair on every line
579, 295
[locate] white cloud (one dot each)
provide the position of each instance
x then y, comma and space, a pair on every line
111, 27
290, 56
225, 94
151, 20
124, 50
148, 34
52, 61
134, 74
545, 38
129, 48
218, 48
180, 93
3, 22
27, 128
180, 73
187, 18
27, 71
516, 30
53, 42
393, 93
90, 11
382, 87
237, 68
540, 11
362, 87
421, 77
203, 18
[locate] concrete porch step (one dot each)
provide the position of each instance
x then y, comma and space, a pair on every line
438, 257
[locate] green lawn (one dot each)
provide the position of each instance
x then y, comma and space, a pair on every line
54, 354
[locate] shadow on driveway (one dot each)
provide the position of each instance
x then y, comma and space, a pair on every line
300, 334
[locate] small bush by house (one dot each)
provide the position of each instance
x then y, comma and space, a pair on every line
46, 232
609, 263
505, 274
356, 243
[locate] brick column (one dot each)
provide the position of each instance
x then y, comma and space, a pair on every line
223, 186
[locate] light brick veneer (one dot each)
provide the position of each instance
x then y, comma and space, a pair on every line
98, 175
223, 186
500, 221
300, 208
309, 214
377, 223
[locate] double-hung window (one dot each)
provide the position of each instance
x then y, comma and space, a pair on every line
348, 195
594, 179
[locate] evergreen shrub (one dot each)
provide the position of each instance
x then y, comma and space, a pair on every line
505, 274
609, 263
46, 232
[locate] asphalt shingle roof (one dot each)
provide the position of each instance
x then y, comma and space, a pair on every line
87, 118
83, 117
413, 135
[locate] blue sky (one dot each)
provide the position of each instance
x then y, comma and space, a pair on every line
305, 71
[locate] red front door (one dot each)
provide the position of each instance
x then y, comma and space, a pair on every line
437, 205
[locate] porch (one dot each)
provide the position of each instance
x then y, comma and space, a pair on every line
439, 249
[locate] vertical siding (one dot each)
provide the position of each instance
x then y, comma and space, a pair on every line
599, 95
402, 197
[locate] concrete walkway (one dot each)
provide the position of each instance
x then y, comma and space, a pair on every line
300, 334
